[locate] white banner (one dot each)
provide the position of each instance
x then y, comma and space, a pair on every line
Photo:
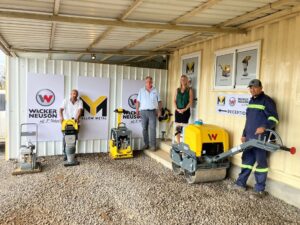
232, 104
130, 90
94, 93
45, 94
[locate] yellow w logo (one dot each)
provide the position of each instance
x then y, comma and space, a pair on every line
94, 107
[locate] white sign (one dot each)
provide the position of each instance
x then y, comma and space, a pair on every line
232, 104
246, 68
94, 93
130, 90
224, 70
45, 93
190, 66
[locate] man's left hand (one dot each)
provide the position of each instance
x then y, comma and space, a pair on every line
260, 130
158, 113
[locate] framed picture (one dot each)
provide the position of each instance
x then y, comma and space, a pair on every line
247, 64
224, 69
236, 67
190, 66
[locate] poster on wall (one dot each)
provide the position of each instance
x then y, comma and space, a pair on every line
224, 70
94, 93
45, 94
190, 66
130, 90
232, 104
235, 67
246, 66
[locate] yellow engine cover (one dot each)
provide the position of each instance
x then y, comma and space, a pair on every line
69, 122
197, 135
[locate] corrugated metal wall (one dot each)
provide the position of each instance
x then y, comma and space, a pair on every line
280, 69
2, 115
2, 126
17, 75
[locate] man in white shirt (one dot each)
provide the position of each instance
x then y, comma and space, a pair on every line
148, 105
71, 109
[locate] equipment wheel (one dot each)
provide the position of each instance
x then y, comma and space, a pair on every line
176, 169
190, 177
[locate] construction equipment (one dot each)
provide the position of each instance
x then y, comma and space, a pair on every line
203, 157
120, 138
28, 150
165, 118
70, 132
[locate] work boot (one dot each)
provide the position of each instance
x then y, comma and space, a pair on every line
236, 187
258, 195
65, 158
145, 147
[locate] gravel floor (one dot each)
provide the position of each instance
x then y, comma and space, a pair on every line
133, 191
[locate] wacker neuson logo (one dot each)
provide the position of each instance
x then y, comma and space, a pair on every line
94, 107
45, 97
132, 101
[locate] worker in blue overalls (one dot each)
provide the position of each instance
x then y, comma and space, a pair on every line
261, 114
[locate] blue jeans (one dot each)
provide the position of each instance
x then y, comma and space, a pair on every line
149, 122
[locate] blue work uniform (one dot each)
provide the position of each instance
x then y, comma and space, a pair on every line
261, 112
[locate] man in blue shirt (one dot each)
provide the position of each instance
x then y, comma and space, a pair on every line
261, 114
148, 106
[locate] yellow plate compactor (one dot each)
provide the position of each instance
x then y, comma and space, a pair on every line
120, 139
203, 155
70, 131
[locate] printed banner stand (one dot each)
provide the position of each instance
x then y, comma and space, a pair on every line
94, 93
130, 90
44, 97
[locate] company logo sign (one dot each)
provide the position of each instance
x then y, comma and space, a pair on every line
93, 107
221, 100
243, 101
190, 67
132, 101
45, 97
212, 136
232, 101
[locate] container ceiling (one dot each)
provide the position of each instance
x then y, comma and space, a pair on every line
125, 31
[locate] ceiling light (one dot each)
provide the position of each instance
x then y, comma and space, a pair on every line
93, 57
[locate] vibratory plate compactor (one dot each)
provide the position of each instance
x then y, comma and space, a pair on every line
203, 156
28, 150
120, 139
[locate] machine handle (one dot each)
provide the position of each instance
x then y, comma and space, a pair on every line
121, 111
292, 150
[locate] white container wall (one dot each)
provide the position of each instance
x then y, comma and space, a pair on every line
2, 126
16, 96
2, 116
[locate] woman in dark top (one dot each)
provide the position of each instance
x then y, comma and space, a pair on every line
183, 101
